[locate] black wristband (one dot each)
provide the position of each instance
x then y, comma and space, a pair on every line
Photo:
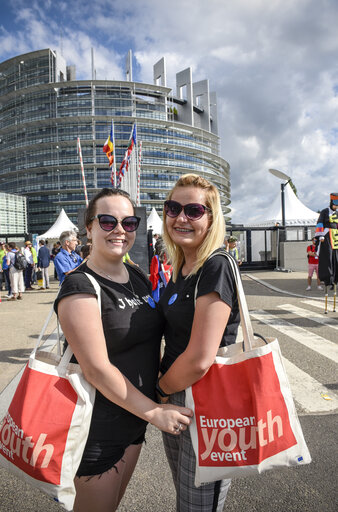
160, 391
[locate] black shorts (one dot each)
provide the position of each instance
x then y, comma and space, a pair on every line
112, 430
100, 457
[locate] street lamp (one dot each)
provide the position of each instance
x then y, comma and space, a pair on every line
282, 176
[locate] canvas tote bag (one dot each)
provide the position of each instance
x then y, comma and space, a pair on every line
245, 420
44, 431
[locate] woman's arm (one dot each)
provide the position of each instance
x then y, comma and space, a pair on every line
210, 319
81, 323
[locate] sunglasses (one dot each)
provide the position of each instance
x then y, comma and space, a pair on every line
109, 222
193, 211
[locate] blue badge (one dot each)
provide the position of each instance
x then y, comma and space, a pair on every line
151, 303
172, 299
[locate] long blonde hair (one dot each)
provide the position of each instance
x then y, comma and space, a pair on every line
216, 231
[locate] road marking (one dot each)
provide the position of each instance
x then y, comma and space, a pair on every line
308, 339
317, 304
307, 391
305, 313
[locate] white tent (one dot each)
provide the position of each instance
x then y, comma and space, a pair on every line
154, 222
296, 213
62, 223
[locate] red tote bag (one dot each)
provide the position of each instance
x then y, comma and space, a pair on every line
44, 431
245, 420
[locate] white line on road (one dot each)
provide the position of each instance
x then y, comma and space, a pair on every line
308, 339
305, 313
308, 392
317, 304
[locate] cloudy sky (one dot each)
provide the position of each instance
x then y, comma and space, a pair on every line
273, 64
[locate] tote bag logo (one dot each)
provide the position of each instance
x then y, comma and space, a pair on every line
236, 430
36, 451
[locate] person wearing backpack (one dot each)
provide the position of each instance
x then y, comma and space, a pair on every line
15, 274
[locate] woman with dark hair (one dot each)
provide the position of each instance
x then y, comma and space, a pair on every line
118, 351
193, 229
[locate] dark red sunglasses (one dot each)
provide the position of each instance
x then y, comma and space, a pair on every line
109, 222
193, 211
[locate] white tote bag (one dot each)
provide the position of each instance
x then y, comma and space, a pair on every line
245, 420
44, 431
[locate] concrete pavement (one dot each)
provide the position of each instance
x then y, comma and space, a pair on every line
151, 487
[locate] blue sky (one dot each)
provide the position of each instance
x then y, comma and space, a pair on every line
273, 64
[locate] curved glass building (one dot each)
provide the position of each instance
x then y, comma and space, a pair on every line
44, 109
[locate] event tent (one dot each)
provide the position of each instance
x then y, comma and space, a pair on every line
154, 222
296, 213
62, 223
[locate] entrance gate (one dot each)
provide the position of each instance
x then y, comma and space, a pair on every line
257, 247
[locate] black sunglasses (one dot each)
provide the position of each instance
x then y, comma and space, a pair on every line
109, 222
193, 211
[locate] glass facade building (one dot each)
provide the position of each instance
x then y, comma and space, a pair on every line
13, 214
44, 109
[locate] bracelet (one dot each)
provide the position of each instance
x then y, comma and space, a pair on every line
160, 391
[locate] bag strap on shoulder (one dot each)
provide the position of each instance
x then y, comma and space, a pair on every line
68, 352
248, 334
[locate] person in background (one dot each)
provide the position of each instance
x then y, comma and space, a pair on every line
233, 249
85, 251
67, 258
5, 270
30, 264
2, 255
43, 263
56, 248
160, 270
313, 260
193, 229
118, 351
35, 261
16, 276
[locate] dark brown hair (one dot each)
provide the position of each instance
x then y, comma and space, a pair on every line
105, 192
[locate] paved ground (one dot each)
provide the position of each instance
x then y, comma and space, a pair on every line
151, 488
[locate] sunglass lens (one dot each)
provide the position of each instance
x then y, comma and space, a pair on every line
194, 211
108, 222
130, 224
172, 208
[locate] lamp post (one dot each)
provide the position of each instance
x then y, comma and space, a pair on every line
282, 176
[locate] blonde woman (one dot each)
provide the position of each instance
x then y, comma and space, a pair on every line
193, 229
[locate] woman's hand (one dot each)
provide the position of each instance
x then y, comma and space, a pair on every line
170, 418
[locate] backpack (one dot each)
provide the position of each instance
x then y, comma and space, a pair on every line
20, 262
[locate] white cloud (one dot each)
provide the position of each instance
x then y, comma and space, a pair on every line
273, 65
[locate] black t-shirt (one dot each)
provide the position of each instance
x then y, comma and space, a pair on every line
133, 331
177, 305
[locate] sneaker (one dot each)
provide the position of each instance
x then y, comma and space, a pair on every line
320, 288
8, 296
308, 288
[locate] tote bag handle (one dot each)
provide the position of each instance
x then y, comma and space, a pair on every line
248, 334
65, 359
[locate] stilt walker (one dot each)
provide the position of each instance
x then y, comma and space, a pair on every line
327, 235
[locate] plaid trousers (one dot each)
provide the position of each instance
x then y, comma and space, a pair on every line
181, 458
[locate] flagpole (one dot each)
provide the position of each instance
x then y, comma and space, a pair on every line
114, 164
138, 201
82, 171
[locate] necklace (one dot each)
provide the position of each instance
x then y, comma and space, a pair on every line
111, 279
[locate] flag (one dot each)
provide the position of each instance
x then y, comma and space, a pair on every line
125, 162
108, 147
